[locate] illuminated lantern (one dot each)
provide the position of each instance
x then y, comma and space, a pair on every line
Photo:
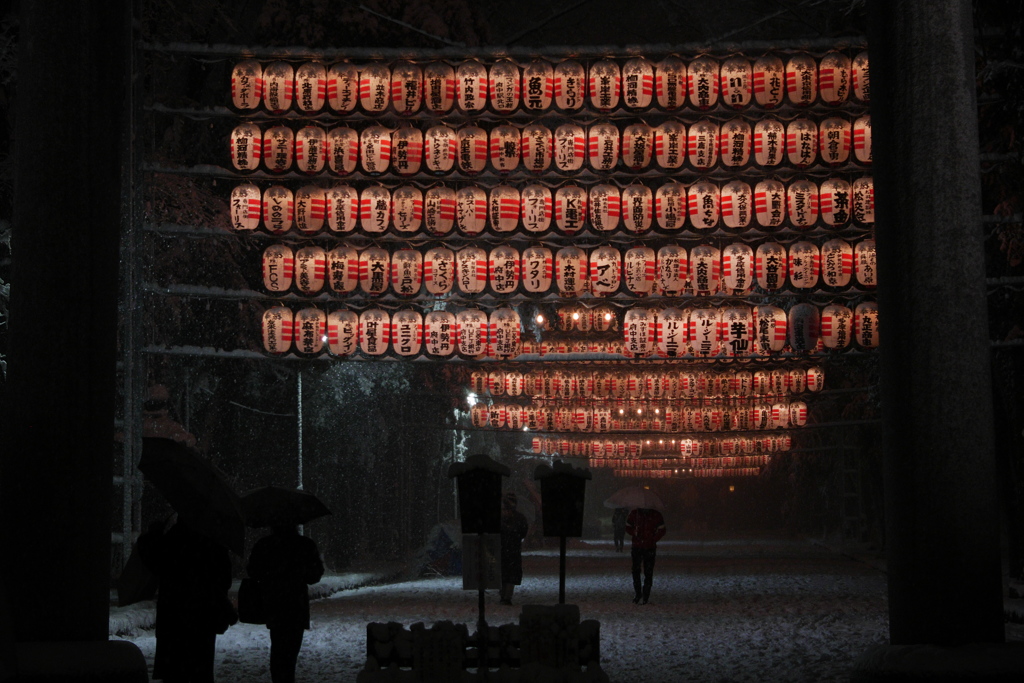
796, 381
637, 146
341, 208
670, 144
670, 82
637, 208
439, 333
375, 149
770, 203
513, 416
536, 145
406, 88
570, 208
834, 78
406, 150
702, 144
637, 83
278, 329
278, 209
802, 203
770, 330
374, 269
605, 85
278, 87
864, 201
639, 269
834, 140
310, 205
310, 149
471, 209
310, 269
769, 81
734, 143
374, 88
605, 271
343, 87
705, 262
504, 86
342, 332
703, 79
570, 84
439, 270
471, 269
503, 208
673, 270
504, 269
738, 332
605, 207
815, 379
407, 332
342, 150
704, 205
406, 272
836, 326
310, 87
634, 383
670, 202
866, 324
737, 204
737, 78
538, 86
802, 142
537, 269
603, 146
604, 319
438, 87
439, 207
480, 415
343, 269
471, 86
472, 156
741, 382
505, 148
571, 271
245, 207
514, 383
801, 80
864, 264
761, 417
639, 327
375, 209
705, 328
836, 263
310, 329
440, 148
602, 419
804, 327
278, 268
804, 264
780, 416
737, 268
504, 333
570, 147
246, 146
672, 334
862, 139
536, 208
278, 149
407, 209
586, 384
247, 84
834, 201
471, 332
687, 381
861, 77
496, 383
769, 142
374, 331
797, 414
762, 382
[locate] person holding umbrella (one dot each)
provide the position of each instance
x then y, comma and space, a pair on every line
646, 526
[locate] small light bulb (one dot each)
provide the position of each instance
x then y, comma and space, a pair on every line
639, 411
540, 319
607, 316
576, 315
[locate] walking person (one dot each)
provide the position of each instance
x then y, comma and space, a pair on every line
513, 530
619, 528
646, 526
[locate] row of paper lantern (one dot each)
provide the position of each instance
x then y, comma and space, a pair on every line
704, 270
505, 87
603, 207
727, 462
669, 449
535, 148
702, 473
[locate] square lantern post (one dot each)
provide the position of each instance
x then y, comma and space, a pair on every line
562, 489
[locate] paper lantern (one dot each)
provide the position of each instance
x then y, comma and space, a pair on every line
496, 382
247, 84
637, 146
505, 148
836, 326
310, 205
815, 379
734, 143
342, 87
738, 331
406, 150
687, 382
801, 80
802, 203
864, 263
438, 87
310, 87
834, 136
310, 269
278, 87
310, 329
637, 208
310, 149
702, 144
802, 142
862, 139
860, 76
705, 264
672, 336
440, 148
570, 85
245, 205
439, 270
513, 416
737, 268
864, 201
503, 208
471, 332
407, 332
571, 271
703, 202
504, 269
673, 272
471, 86
737, 204
538, 86
375, 209
637, 83
570, 208
866, 324
407, 209
374, 88
278, 149
471, 210
639, 270
703, 77
343, 269
278, 268
536, 208
480, 415
737, 82
472, 146
570, 147
406, 88
278, 209
704, 332
670, 82
770, 203
836, 263
741, 382
834, 73
779, 416
769, 75
670, 202
375, 149
762, 383
605, 207
605, 270
504, 333
342, 332
504, 84
536, 143
769, 142
537, 269
514, 383
797, 414
639, 331
471, 269
771, 330
604, 319
406, 272
796, 381
804, 264
605, 85
439, 333
278, 329
439, 208
374, 270
342, 150
670, 144
374, 331
341, 208
603, 146
804, 327
834, 201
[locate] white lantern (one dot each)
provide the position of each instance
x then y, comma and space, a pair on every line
471, 209
343, 87
804, 327
504, 84
738, 332
406, 272
570, 147
503, 208
310, 149
673, 270
504, 333
245, 207
310, 269
538, 86
570, 208
834, 201
704, 201
480, 415
603, 146
278, 209
770, 330
406, 88
866, 324
439, 208
802, 80
504, 269
471, 86
278, 149
737, 204
471, 269
637, 208
278, 87
780, 416
605, 270
536, 208
310, 329
343, 269
769, 81
375, 149
407, 150
571, 271
815, 379
439, 333
672, 337
375, 209
472, 326
702, 144
862, 139
637, 146
670, 144
705, 332
278, 268
804, 264
514, 383
247, 84
704, 73
769, 142
802, 142
514, 416
834, 78
438, 87
797, 414
737, 268
640, 329
705, 264
605, 85
472, 156
670, 82
836, 326
374, 331
342, 150
735, 143
637, 83
246, 146
374, 269
505, 151
834, 140
864, 263
605, 207
278, 329
536, 144
737, 78
741, 382
407, 332
570, 85
440, 148
407, 209
310, 204
670, 203
341, 208
836, 263
374, 88
537, 269
770, 203
310, 87
864, 200
861, 77
342, 332
639, 269
439, 270
496, 383
796, 381
802, 203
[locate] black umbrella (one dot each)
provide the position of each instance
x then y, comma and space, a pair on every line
196, 489
136, 583
274, 505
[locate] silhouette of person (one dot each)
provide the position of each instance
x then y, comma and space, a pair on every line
619, 527
285, 563
513, 530
646, 526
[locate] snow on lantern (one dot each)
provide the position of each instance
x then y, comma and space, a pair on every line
479, 414
471, 332
866, 324
802, 142
670, 144
439, 207
503, 208
637, 146
439, 333
804, 264
801, 80
705, 264
537, 269
538, 86
862, 139
834, 201
639, 330
603, 146
571, 271
802, 203
769, 142
278, 268
780, 416
342, 332
504, 333
406, 88
637, 208
702, 144
374, 267
703, 81
504, 81
605, 207
342, 87
804, 327
310, 329
836, 263
605, 270
670, 202
536, 143
570, 85
406, 272
439, 270
704, 336
637, 83
278, 209
375, 209
770, 203
815, 379
864, 200
245, 207
374, 88
471, 209
671, 334
407, 150
860, 76
278, 149
343, 269
440, 148
736, 79
278, 87
797, 414
770, 330
673, 270
836, 326
310, 269
735, 143
703, 202
639, 270
310, 205
864, 263
737, 204
407, 209
834, 140
536, 207
570, 147
342, 208
246, 146
738, 331
769, 75
471, 269
278, 329
247, 84
407, 332
570, 208
472, 146
670, 82
737, 268
310, 149
471, 86
438, 87
310, 87
605, 85
375, 149
505, 151
834, 78
514, 383
342, 150
504, 269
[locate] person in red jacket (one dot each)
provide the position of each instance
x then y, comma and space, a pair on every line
646, 526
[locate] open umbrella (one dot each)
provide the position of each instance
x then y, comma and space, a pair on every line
634, 497
196, 489
273, 505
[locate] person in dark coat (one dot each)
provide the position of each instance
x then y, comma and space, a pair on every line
646, 526
285, 563
619, 527
194, 574
513, 530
